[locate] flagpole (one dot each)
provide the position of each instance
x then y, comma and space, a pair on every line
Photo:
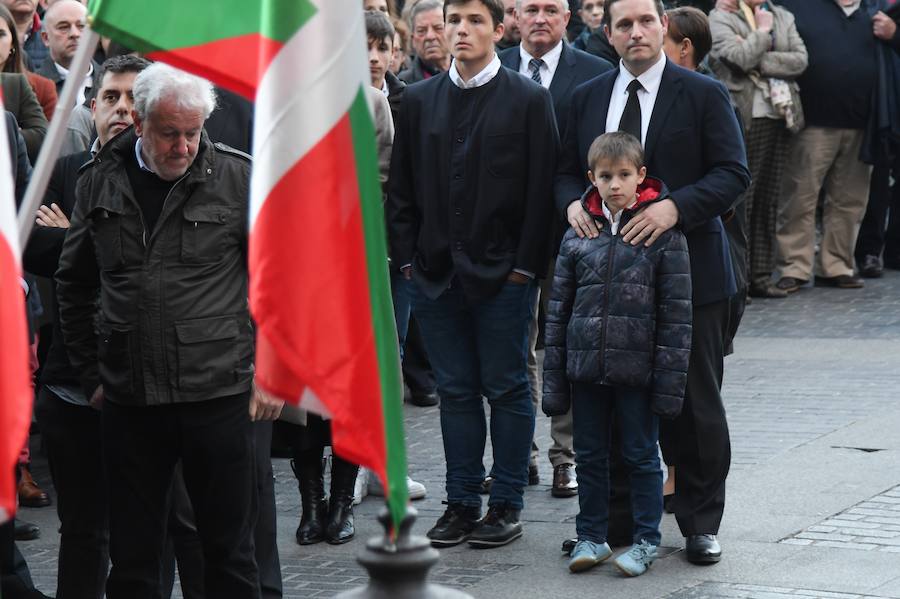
52, 145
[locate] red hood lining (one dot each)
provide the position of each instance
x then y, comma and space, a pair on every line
648, 191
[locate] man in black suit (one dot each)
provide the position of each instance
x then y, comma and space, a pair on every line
471, 181
64, 23
692, 141
549, 60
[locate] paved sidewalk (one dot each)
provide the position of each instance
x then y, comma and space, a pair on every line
814, 491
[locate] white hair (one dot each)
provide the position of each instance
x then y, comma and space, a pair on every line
563, 3
159, 81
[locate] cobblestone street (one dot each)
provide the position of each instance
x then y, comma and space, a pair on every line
814, 490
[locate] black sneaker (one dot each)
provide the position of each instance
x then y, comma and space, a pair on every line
455, 525
499, 527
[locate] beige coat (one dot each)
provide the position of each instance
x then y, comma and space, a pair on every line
738, 53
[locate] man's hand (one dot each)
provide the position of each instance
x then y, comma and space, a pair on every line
96, 400
583, 223
764, 19
51, 216
407, 272
650, 223
264, 406
883, 27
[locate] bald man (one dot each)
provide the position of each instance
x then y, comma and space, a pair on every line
64, 23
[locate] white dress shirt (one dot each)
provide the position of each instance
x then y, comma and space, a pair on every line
548, 69
86, 84
486, 74
614, 219
650, 80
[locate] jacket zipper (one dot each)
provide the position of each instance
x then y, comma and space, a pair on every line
609, 267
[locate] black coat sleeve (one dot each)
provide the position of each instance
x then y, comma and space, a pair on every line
569, 182
672, 348
543, 148
724, 160
557, 395
77, 287
42, 252
403, 218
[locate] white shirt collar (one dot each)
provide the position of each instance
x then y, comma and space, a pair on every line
551, 59
95, 147
140, 159
485, 76
64, 72
614, 220
650, 79
384, 88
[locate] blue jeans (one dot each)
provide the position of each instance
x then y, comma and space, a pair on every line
480, 350
594, 407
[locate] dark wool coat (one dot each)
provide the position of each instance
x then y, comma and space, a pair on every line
619, 315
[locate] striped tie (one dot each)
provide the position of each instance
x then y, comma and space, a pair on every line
535, 65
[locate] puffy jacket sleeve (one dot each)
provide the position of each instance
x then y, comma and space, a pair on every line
557, 390
673, 327
77, 288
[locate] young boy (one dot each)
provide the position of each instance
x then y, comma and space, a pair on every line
618, 339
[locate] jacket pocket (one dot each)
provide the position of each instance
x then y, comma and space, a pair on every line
207, 352
115, 363
106, 227
203, 234
504, 154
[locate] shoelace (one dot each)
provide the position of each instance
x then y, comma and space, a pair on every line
642, 551
494, 515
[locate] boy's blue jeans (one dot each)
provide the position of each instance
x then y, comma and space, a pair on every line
480, 350
594, 408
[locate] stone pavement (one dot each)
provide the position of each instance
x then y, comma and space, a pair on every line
814, 493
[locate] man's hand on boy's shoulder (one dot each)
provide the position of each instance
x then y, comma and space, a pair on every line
650, 223
581, 221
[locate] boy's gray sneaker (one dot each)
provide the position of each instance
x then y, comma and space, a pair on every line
636, 560
587, 554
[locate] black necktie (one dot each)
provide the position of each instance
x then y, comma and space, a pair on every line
631, 117
535, 64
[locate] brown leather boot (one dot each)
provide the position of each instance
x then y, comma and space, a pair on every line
30, 494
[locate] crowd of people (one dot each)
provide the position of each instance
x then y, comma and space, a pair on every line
611, 180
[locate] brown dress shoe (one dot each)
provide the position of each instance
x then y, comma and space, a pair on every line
841, 282
31, 495
789, 284
565, 484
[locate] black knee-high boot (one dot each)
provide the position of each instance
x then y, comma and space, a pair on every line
340, 515
307, 468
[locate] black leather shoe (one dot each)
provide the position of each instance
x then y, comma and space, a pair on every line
568, 545
500, 526
26, 531
455, 525
312, 501
340, 528
870, 267
565, 484
426, 400
767, 290
703, 549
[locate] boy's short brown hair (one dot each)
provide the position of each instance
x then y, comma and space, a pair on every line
495, 8
379, 26
615, 146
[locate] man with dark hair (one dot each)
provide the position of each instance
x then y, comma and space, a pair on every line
545, 57
511, 36
693, 142
426, 20
471, 177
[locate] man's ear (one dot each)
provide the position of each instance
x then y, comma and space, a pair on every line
138, 124
45, 38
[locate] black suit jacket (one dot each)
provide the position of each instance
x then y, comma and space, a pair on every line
18, 157
574, 68
472, 202
694, 144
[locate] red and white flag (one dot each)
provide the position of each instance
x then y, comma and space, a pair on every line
15, 385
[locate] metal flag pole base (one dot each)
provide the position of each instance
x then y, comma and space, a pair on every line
400, 570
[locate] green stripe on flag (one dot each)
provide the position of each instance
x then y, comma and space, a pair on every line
382, 306
169, 24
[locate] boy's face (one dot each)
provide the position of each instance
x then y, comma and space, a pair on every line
592, 13
380, 54
470, 31
617, 182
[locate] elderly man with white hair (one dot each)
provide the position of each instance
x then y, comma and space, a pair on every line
152, 289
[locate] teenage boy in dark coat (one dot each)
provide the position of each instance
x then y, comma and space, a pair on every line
468, 213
